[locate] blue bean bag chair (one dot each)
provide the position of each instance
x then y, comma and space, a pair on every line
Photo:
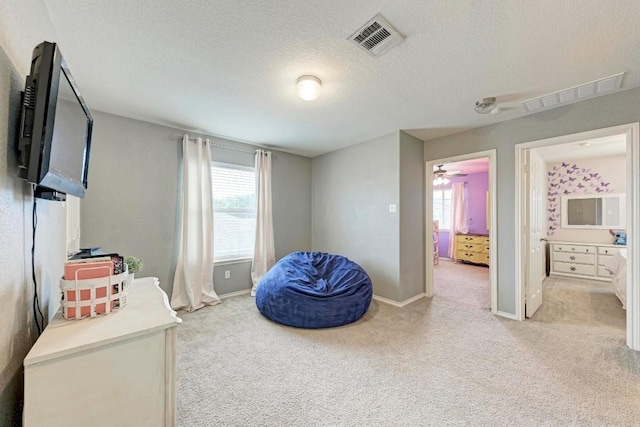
314, 290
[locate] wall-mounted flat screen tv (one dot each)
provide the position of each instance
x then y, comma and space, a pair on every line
55, 128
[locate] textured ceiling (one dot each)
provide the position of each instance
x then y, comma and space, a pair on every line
480, 164
588, 149
228, 68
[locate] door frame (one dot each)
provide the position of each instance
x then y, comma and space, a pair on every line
493, 224
631, 132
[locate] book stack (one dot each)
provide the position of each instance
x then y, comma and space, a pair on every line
93, 286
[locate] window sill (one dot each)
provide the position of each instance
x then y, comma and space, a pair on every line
232, 261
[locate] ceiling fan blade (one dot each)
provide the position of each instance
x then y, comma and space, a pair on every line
456, 172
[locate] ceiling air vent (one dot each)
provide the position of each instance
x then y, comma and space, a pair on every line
574, 94
376, 36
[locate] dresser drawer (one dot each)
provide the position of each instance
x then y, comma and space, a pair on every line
608, 251
603, 272
604, 259
469, 247
463, 238
574, 249
470, 256
575, 257
571, 268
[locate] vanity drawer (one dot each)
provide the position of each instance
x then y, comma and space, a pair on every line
608, 251
571, 268
575, 257
574, 249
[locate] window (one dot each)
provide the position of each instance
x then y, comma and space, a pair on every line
234, 208
442, 207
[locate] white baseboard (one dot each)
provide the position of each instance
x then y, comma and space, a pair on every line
399, 304
234, 294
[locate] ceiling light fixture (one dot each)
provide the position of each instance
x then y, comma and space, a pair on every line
487, 105
440, 180
308, 88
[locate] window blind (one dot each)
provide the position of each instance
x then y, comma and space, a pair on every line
234, 208
442, 208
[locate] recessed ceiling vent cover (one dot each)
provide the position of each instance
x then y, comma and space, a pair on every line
574, 94
376, 36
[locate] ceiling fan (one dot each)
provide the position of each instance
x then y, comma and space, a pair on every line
440, 176
442, 172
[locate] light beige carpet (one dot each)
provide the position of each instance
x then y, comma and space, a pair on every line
440, 361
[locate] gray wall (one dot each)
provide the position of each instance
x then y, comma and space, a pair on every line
18, 332
412, 223
605, 111
352, 190
131, 205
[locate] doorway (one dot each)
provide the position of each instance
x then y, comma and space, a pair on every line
486, 222
527, 154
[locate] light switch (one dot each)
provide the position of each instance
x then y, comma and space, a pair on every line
393, 208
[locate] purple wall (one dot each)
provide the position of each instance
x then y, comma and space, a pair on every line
477, 187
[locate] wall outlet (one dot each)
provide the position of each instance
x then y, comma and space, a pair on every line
227, 274
393, 208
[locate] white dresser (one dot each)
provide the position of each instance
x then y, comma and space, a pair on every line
113, 370
583, 260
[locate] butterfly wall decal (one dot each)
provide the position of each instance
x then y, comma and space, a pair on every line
565, 179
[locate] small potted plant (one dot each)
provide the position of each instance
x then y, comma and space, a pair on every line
133, 265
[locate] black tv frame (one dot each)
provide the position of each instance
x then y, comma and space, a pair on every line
37, 125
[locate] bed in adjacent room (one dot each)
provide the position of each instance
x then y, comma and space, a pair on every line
617, 266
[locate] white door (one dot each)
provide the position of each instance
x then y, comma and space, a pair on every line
535, 183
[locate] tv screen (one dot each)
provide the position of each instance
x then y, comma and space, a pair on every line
56, 127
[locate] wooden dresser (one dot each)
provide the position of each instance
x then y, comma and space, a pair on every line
472, 248
113, 370
583, 260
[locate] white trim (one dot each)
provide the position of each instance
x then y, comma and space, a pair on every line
234, 294
232, 261
396, 303
493, 231
631, 132
633, 233
507, 315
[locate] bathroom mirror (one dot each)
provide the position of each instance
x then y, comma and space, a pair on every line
606, 211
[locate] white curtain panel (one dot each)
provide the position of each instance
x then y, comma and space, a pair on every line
264, 252
458, 215
193, 281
